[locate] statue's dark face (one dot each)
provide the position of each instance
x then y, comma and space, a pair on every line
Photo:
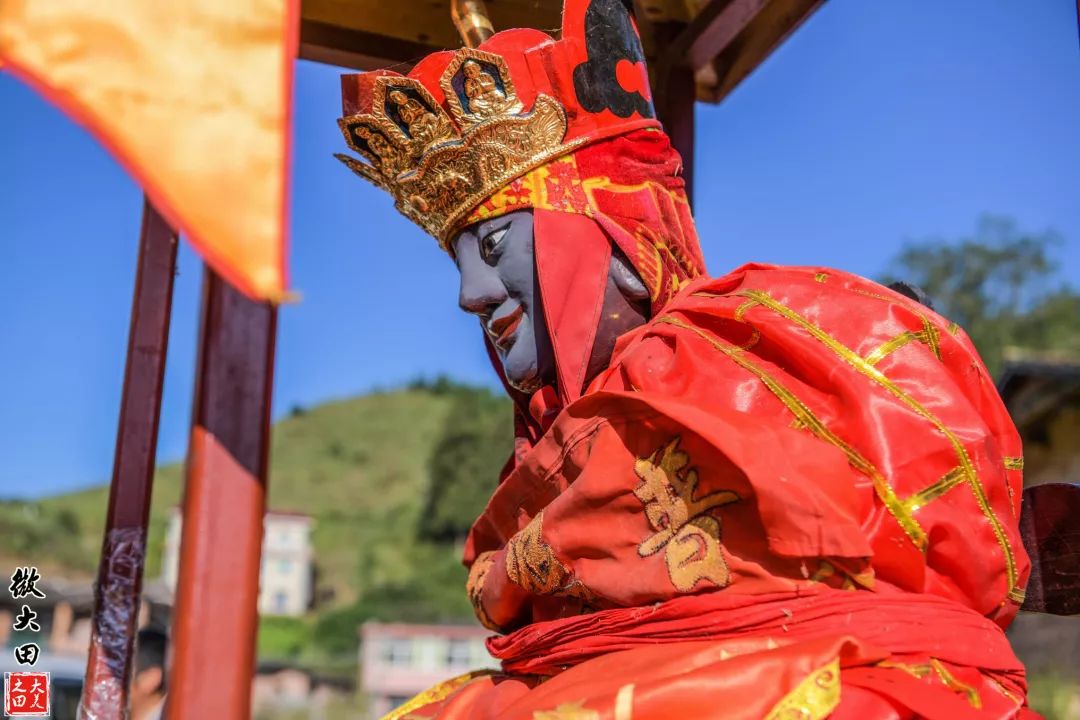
499, 286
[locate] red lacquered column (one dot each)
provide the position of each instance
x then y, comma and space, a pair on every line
216, 613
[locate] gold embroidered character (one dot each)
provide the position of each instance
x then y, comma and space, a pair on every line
682, 522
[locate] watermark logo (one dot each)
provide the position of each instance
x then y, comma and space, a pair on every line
26, 694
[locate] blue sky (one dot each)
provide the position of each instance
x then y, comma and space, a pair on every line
874, 123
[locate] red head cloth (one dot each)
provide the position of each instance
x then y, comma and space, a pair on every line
624, 190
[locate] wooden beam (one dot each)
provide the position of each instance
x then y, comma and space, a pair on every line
119, 583
723, 43
368, 34
358, 49
751, 47
217, 593
714, 29
674, 95
728, 39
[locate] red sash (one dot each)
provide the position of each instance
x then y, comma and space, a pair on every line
901, 624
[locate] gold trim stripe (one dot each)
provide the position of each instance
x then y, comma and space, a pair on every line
890, 346
1014, 463
856, 361
935, 666
739, 311
624, 702
814, 698
877, 296
1017, 595
929, 336
1004, 691
755, 338
435, 693
955, 685
806, 417
932, 492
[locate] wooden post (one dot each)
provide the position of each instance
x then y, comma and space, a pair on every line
675, 95
675, 109
471, 20
1050, 530
119, 584
216, 612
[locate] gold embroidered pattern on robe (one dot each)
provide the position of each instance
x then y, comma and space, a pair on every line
683, 525
474, 588
814, 698
532, 565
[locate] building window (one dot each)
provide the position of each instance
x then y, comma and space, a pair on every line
397, 701
458, 653
284, 567
397, 651
281, 601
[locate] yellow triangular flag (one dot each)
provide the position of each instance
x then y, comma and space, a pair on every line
192, 96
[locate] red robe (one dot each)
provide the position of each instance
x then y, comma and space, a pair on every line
793, 493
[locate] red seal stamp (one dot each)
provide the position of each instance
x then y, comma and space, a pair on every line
26, 694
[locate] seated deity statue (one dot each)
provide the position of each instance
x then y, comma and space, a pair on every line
379, 146
422, 124
485, 98
776, 492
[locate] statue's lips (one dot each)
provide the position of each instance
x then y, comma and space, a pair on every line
502, 329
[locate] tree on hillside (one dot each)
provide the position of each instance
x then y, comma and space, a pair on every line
1002, 285
464, 466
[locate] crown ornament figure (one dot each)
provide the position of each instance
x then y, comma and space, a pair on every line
438, 164
464, 124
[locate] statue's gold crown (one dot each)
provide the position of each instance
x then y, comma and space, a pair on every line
440, 163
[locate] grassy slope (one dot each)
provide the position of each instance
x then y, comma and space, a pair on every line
358, 466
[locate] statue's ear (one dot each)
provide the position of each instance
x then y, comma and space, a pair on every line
626, 278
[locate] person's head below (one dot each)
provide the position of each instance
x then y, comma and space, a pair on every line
149, 675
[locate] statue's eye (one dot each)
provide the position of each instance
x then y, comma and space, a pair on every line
491, 241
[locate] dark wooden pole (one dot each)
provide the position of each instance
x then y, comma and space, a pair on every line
1050, 528
119, 583
216, 613
471, 20
675, 94
675, 109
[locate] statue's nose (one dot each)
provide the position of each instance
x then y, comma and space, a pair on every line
481, 292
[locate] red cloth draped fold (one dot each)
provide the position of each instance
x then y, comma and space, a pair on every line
900, 624
787, 468
572, 259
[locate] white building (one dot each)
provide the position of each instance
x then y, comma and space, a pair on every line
285, 581
400, 660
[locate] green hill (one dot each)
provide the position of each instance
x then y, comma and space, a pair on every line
362, 469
